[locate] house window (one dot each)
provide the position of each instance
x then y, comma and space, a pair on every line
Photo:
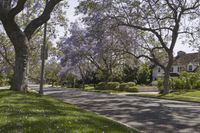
179, 69
190, 68
159, 69
172, 70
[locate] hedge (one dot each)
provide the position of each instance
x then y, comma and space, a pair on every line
129, 87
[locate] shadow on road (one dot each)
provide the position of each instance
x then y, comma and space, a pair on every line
146, 114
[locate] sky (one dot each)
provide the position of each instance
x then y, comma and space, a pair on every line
71, 17
71, 10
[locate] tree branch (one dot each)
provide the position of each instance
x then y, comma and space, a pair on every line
17, 9
34, 24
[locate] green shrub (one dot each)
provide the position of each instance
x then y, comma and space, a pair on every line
89, 85
197, 84
177, 84
160, 84
132, 89
131, 84
186, 81
4, 81
144, 74
112, 85
100, 86
129, 87
123, 87
107, 86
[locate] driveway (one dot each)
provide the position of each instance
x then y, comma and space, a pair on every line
146, 114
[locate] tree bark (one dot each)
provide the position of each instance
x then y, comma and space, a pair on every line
20, 43
20, 39
19, 80
166, 83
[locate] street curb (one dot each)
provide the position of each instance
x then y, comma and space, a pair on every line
164, 99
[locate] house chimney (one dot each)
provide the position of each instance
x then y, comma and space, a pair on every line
180, 53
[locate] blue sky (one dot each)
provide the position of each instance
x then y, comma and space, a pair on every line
71, 17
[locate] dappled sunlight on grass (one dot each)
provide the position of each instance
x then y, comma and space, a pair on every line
28, 112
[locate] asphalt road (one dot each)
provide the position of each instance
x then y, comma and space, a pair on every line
146, 114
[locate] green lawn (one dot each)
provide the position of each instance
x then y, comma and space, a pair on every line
193, 96
31, 112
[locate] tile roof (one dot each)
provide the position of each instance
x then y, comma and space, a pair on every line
187, 58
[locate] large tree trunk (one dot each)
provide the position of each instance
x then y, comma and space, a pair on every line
20, 39
20, 43
19, 81
166, 82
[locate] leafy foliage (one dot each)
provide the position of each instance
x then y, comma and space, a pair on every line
116, 86
147, 28
186, 81
144, 75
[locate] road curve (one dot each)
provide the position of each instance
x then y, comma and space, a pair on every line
146, 114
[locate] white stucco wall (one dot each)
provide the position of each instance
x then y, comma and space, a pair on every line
175, 69
156, 73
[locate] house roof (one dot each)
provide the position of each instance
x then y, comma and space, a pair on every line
187, 58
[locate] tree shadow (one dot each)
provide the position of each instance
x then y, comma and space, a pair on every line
145, 114
35, 113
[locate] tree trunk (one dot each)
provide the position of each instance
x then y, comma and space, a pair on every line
19, 80
166, 83
20, 43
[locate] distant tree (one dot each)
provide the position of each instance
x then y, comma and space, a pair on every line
130, 73
86, 46
52, 73
153, 25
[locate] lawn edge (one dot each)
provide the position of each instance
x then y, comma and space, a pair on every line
35, 93
109, 118
103, 116
172, 99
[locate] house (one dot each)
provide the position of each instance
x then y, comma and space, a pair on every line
183, 62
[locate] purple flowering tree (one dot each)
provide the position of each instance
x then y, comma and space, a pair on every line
156, 25
87, 47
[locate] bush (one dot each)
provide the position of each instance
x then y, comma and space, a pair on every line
177, 84
100, 86
197, 84
123, 86
186, 81
89, 85
144, 74
4, 81
160, 84
130, 87
112, 85
131, 84
107, 86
